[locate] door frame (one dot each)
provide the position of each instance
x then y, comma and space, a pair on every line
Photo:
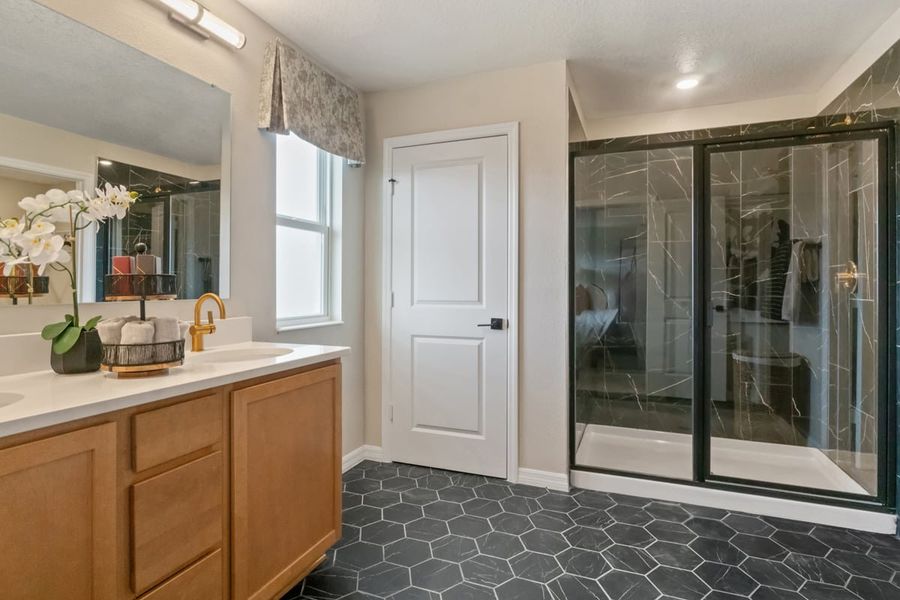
511, 131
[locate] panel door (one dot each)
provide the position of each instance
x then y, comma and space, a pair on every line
448, 402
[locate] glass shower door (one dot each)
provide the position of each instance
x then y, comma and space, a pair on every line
632, 315
795, 316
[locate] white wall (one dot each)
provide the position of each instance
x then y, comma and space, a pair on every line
145, 26
536, 97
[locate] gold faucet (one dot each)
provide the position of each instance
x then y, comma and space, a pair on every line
198, 330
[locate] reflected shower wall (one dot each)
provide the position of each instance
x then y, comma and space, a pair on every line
176, 217
633, 344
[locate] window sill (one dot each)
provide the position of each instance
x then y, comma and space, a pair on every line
301, 326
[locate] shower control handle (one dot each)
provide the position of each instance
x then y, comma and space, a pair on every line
850, 277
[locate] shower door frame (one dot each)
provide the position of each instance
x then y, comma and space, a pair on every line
884, 134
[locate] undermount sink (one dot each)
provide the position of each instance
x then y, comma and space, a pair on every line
238, 355
7, 398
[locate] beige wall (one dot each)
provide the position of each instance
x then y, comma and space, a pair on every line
12, 190
536, 97
145, 26
36, 143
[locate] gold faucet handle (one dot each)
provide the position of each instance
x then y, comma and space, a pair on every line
209, 317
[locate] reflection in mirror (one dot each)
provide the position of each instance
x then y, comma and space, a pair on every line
15, 184
176, 218
79, 109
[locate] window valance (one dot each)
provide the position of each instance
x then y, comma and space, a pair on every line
299, 96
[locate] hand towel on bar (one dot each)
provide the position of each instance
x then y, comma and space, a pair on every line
137, 332
165, 329
791, 304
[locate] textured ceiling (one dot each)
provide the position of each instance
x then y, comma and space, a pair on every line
625, 54
60, 73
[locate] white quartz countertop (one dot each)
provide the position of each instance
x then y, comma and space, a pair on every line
43, 398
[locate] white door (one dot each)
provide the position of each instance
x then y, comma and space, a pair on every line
450, 236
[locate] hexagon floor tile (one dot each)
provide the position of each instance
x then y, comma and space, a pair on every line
413, 532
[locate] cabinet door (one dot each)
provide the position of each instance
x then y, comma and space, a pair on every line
58, 516
286, 480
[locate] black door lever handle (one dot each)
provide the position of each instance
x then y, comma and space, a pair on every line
496, 324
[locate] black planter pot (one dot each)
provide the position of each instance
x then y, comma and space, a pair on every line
83, 357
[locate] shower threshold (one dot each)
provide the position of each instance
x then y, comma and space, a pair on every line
665, 454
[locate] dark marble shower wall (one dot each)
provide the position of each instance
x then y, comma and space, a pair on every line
875, 97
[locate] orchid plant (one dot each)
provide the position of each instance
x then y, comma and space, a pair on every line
34, 240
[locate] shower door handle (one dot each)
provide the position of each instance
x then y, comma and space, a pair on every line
849, 278
496, 324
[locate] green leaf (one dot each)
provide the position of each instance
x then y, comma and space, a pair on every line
54, 329
70, 318
92, 324
65, 340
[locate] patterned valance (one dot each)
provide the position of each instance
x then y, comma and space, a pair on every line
299, 96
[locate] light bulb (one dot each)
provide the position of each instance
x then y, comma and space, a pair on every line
188, 9
221, 29
687, 84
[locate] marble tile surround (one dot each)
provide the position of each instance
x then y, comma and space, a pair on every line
418, 533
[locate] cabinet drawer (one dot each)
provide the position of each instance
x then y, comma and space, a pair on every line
167, 433
177, 517
203, 580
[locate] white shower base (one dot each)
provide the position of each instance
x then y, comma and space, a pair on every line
670, 455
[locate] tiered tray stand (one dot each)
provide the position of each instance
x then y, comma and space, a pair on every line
141, 360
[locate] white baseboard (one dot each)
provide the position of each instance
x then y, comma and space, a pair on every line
835, 516
545, 479
364, 452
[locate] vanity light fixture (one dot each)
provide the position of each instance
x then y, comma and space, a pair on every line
687, 84
198, 19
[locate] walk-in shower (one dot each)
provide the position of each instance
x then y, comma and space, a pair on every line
730, 312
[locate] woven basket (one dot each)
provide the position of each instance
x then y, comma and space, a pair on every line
138, 355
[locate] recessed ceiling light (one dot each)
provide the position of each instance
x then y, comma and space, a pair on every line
687, 84
105, 163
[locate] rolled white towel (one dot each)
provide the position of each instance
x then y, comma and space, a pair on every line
137, 332
166, 329
183, 327
110, 330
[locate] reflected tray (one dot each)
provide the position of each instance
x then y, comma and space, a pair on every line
17, 285
139, 287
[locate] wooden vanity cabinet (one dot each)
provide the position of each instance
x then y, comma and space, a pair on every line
233, 492
286, 480
58, 517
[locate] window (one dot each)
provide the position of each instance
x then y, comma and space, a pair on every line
304, 234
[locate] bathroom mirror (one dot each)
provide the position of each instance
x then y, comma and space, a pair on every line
79, 109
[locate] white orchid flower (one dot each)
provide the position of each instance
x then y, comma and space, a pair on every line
46, 250
39, 228
10, 229
54, 199
35, 205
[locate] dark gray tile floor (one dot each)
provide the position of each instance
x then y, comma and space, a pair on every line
412, 532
